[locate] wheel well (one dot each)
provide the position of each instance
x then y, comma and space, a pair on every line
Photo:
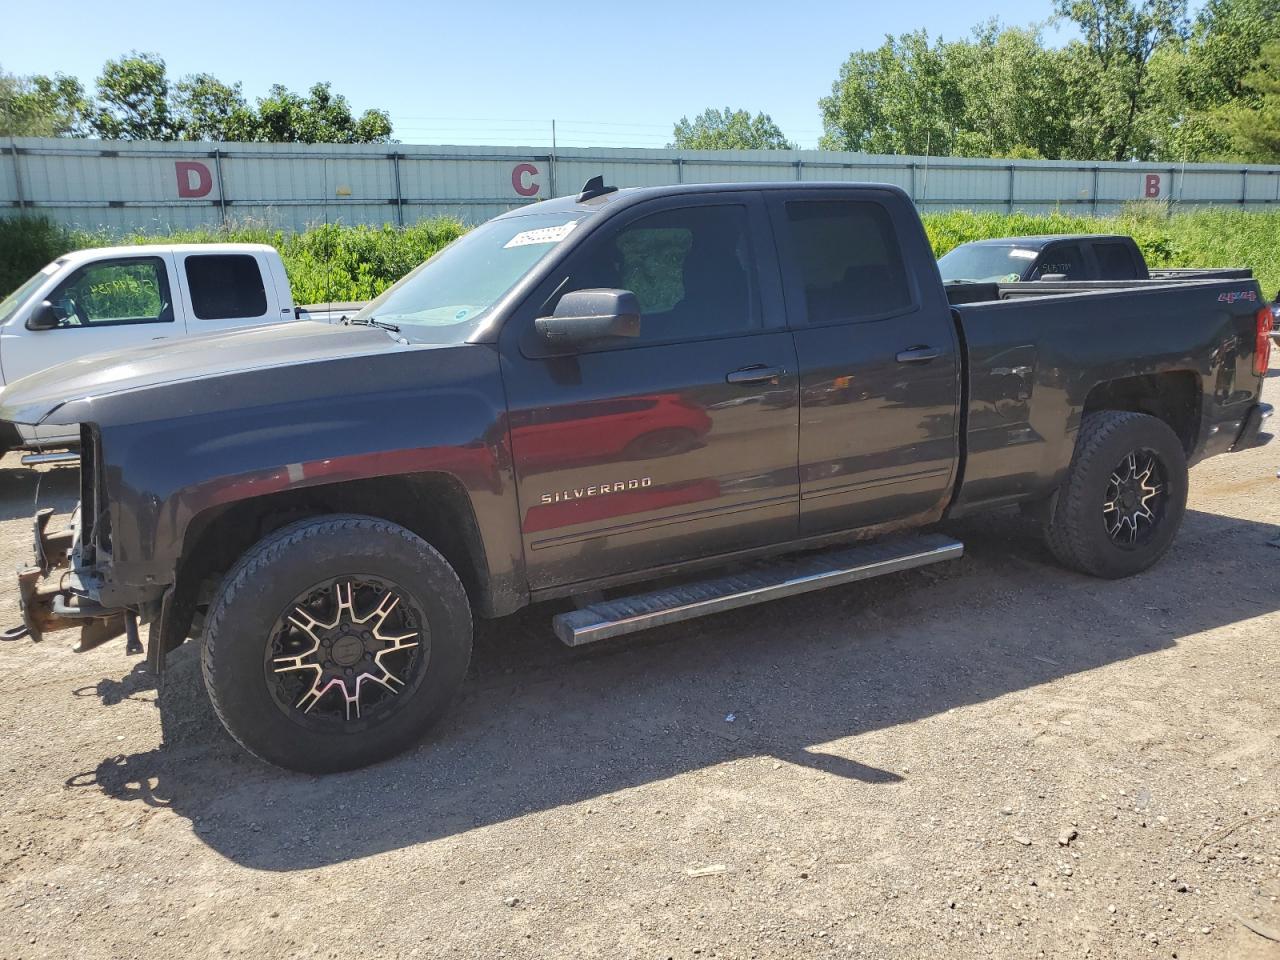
1174, 397
434, 506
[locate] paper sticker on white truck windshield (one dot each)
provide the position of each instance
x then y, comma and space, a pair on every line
541, 235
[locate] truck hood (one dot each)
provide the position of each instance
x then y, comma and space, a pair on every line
33, 399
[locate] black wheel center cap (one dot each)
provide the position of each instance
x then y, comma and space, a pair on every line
347, 650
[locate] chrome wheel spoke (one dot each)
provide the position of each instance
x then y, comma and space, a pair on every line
352, 640
1133, 501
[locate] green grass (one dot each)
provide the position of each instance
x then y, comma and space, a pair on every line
334, 263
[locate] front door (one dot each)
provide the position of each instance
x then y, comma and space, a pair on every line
879, 361
103, 307
680, 443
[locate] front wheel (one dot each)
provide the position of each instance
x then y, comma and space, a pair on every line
1123, 498
335, 642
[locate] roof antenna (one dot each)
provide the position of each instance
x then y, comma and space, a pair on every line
594, 188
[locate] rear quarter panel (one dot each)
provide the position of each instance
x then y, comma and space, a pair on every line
1033, 362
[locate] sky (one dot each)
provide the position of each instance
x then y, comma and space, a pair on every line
610, 74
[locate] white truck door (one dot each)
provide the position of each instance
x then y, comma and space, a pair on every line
102, 306
222, 291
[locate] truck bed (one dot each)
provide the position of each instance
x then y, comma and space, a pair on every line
1037, 351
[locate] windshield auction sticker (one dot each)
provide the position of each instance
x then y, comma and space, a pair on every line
541, 235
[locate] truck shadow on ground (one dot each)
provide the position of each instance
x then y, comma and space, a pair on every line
540, 726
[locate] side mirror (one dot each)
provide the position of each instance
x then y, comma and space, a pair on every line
43, 317
1053, 277
586, 315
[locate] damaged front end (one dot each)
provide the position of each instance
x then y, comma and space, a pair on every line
63, 587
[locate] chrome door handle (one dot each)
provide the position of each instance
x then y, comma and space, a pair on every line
922, 354
758, 373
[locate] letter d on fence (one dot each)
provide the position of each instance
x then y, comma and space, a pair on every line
194, 179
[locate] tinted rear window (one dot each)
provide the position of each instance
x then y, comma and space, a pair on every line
1115, 261
225, 286
849, 260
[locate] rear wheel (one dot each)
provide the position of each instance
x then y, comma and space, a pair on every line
1123, 498
335, 642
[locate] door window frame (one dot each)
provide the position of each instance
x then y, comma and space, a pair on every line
167, 313
789, 260
765, 277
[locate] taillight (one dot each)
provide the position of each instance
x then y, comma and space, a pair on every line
1262, 349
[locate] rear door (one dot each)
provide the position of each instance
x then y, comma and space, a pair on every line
879, 361
224, 290
675, 445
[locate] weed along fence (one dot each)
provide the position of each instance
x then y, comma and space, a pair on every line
154, 187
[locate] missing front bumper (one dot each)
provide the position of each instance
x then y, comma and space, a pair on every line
52, 590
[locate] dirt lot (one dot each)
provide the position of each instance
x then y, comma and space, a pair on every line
884, 770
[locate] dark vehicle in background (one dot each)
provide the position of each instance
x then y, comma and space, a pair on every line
769, 382
1062, 257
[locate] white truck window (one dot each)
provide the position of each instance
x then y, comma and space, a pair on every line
225, 286
114, 292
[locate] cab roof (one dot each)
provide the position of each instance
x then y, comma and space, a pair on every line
625, 196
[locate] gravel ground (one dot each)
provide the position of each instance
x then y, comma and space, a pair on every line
988, 758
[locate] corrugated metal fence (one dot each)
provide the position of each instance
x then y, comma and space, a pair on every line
161, 186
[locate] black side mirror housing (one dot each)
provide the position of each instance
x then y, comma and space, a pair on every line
43, 317
583, 316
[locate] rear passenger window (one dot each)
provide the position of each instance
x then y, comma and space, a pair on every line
1064, 260
225, 286
1115, 261
849, 260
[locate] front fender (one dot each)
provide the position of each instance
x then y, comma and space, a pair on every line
172, 452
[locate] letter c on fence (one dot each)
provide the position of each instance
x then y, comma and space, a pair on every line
1152, 185
194, 179
526, 188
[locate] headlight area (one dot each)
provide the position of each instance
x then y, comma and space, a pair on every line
62, 588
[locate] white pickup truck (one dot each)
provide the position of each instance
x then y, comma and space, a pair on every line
113, 298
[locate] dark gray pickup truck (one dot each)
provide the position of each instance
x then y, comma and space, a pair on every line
1066, 256
746, 391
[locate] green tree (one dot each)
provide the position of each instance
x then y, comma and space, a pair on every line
1195, 81
1012, 100
1106, 72
134, 100
320, 117
898, 98
209, 109
41, 106
729, 130
1255, 131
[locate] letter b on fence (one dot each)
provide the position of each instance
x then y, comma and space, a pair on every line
194, 179
1151, 186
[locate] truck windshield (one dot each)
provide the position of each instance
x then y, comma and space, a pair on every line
9, 305
985, 263
445, 299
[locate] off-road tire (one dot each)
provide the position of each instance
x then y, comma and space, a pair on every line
1075, 530
262, 585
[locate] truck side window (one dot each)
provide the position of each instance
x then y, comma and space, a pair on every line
114, 292
849, 260
225, 286
1063, 258
691, 268
1115, 261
